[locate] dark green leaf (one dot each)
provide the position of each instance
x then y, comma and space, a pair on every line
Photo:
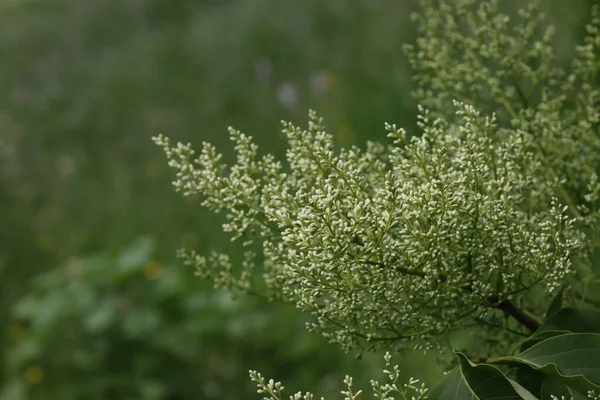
530, 379
536, 338
555, 304
576, 320
478, 381
574, 357
553, 386
521, 390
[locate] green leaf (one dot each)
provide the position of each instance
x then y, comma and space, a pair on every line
521, 391
452, 387
573, 357
478, 381
135, 256
529, 378
555, 304
554, 386
139, 323
102, 316
576, 320
536, 338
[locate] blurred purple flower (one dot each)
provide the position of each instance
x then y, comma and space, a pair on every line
320, 82
263, 69
287, 94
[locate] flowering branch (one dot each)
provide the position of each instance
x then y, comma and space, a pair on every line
396, 240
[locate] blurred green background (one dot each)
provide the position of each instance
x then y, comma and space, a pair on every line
93, 304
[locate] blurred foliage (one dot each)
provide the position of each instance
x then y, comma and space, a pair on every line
83, 87
122, 326
91, 81
88, 83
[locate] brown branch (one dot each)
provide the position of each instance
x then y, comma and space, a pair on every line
510, 308
503, 360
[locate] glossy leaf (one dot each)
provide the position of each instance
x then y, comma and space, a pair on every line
573, 357
536, 338
478, 381
531, 379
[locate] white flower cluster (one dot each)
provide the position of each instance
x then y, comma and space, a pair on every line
592, 395
389, 391
409, 240
398, 242
471, 51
